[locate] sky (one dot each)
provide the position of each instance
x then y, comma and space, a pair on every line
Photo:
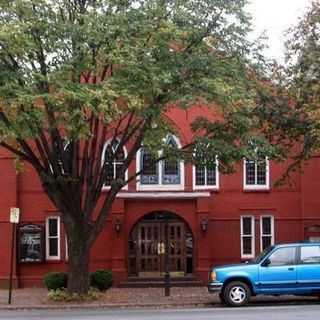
275, 17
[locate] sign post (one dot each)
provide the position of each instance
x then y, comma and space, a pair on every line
14, 220
167, 262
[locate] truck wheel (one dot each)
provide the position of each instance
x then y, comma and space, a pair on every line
236, 294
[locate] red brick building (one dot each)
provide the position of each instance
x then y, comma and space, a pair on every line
206, 217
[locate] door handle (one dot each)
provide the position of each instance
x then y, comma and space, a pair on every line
290, 269
161, 248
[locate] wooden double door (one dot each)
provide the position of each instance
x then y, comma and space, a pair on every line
150, 243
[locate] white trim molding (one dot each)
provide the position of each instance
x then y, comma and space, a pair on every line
163, 195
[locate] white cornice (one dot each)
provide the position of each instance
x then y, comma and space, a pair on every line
163, 195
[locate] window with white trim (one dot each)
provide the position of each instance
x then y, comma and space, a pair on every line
266, 231
53, 238
114, 160
166, 174
247, 237
149, 168
206, 176
256, 174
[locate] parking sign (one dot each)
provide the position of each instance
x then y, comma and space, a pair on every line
14, 215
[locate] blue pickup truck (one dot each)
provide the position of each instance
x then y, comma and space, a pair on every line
281, 269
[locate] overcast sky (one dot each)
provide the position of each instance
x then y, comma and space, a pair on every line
275, 16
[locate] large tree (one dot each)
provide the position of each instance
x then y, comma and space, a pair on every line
302, 76
75, 73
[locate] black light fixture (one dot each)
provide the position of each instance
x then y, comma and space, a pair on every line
117, 225
204, 224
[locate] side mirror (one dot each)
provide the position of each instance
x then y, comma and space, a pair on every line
266, 263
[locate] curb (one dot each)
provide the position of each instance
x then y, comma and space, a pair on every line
205, 303
158, 305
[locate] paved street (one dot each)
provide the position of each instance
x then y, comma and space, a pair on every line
304, 312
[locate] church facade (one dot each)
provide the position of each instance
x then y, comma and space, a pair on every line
193, 215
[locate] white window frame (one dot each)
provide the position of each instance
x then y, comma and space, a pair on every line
247, 256
206, 186
256, 186
58, 237
114, 163
266, 235
160, 186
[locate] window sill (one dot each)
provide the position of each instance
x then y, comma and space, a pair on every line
163, 195
256, 188
162, 187
107, 188
246, 258
53, 261
208, 188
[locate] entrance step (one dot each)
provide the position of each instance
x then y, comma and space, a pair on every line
137, 282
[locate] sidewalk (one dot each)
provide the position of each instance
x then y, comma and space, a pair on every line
135, 298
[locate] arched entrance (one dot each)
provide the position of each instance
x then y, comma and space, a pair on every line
148, 241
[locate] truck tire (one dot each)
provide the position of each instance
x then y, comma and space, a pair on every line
236, 294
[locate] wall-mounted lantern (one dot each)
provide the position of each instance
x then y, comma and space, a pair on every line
117, 226
204, 224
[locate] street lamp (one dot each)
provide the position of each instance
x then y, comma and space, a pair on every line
204, 224
117, 226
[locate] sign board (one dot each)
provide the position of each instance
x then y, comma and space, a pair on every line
31, 244
14, 215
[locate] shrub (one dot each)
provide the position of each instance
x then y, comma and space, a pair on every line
101, 279
62, 295
55, 280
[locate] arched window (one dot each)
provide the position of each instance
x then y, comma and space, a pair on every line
165, 174
114, 159
171, 167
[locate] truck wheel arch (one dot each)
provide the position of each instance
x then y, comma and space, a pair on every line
241, 279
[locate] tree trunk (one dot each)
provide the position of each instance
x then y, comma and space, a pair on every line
79, 258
